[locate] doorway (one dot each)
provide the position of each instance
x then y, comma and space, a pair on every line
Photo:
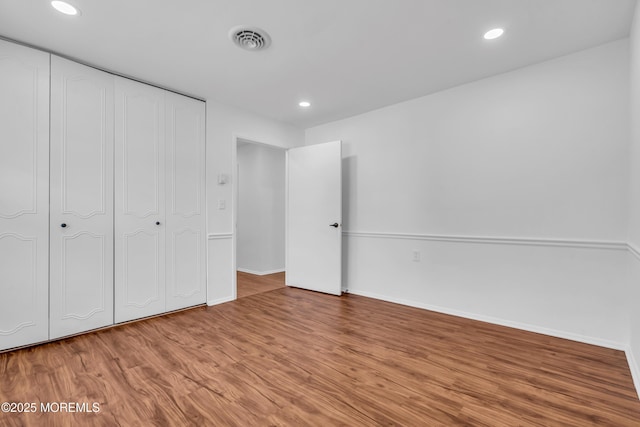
260, 217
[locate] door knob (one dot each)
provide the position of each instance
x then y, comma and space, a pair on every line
335, 225
63, 225
157, 222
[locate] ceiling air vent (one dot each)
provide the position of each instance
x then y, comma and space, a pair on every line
250, 38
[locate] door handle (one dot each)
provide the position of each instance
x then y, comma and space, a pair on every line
63, 225
157, 222
335, 225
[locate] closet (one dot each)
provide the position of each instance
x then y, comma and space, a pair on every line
24, 195
102, 221
159, 205
81, 201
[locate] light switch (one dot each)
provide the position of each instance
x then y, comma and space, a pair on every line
222, 204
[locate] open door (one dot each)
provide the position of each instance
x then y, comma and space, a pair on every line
314, 218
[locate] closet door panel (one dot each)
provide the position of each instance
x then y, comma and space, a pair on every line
186, 272
81, 198
185, 286
141, 147
20, 138
141, 269
24, 190
140, 187
22, 290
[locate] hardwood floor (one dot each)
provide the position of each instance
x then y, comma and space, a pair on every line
293, 357
251, 284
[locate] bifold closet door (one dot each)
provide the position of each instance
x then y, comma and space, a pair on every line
139, 200
185, 231
81, 271
24, 195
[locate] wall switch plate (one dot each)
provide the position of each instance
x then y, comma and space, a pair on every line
222, 204
416, 256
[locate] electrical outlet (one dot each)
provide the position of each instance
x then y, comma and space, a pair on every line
416, 256
222, 205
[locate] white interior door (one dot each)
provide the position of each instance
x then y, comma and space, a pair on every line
185, 218
24, 195
139, 200
81, 282
314, 217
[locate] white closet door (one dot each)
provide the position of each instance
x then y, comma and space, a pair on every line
139, 201
186, 273
24, 195
81, 283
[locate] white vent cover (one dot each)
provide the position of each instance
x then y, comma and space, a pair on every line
250, 38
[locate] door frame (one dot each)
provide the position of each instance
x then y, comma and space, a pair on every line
233, 179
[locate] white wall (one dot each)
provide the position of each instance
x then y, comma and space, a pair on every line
261, 209
224, 124
534, 160
634, 200
634, 155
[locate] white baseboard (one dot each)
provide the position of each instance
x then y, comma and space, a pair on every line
496, 321
635, 369
260, 273
220, 300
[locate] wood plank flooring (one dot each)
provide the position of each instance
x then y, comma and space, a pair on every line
251, 284
290, 357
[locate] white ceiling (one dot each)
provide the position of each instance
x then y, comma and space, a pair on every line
345, 56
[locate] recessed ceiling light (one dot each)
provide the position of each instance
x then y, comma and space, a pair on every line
304, 104
64, 7
493, 34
